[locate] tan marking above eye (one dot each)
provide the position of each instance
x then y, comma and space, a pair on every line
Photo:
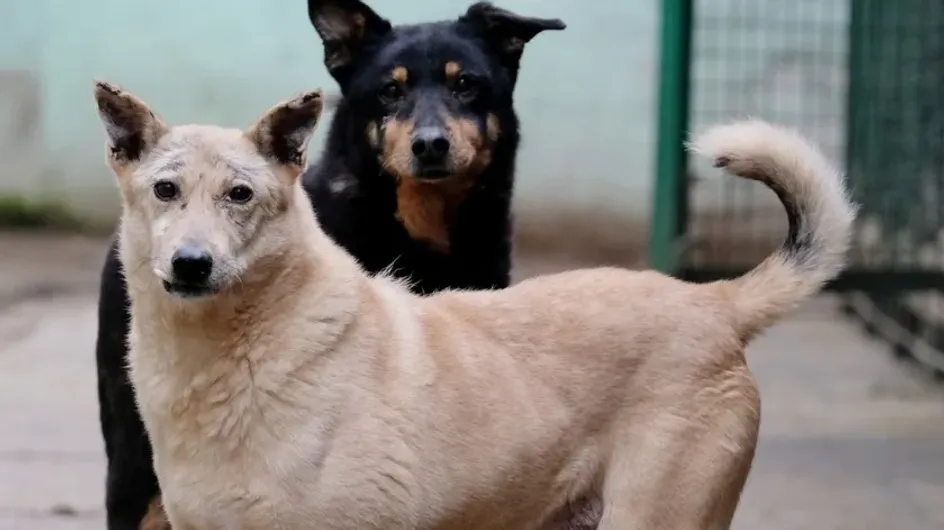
452, 70
400, 74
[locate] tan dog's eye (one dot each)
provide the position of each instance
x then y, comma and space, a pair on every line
240, 194
166, 190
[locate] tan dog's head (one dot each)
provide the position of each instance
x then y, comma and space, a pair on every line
197, 198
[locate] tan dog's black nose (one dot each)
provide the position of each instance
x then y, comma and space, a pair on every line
191, 265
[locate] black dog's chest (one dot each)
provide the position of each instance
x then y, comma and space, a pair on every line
363, 220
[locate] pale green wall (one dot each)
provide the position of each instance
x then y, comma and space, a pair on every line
584, 93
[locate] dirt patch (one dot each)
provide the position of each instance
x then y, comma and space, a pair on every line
44, 265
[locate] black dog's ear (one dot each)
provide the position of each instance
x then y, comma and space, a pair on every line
345, 27
283, 132
132, 127
507, 31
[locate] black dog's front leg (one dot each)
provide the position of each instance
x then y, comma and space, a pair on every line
131, 483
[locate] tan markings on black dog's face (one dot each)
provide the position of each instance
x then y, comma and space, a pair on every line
196, 197
396, 155
435, 143
434, 129
400, 75
452, 71
437, 123
471, 149
430, 99
426, 208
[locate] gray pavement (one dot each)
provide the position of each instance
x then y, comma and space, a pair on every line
850, 437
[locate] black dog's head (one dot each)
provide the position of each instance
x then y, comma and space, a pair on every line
429, 100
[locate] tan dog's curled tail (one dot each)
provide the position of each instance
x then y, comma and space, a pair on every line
819, 212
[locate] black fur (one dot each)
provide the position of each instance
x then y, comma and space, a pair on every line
354, 198
362, 217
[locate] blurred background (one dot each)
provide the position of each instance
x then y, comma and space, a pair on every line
853, 429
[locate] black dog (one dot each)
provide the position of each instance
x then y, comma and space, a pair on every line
416, 178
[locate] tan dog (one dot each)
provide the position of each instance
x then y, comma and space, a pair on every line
285, 389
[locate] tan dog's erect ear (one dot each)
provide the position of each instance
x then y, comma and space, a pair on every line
283, 132
132, 127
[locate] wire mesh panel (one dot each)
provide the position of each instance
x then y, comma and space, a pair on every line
896, 135
785, 62
896, 163
862, 78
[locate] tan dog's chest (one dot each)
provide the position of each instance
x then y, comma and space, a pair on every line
240, 447
211, 497
243, 445
215, 454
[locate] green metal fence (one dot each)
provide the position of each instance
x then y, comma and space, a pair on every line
862, 78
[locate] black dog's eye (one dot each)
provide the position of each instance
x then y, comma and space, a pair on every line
391, 92
465, 86
165, 190
240, 194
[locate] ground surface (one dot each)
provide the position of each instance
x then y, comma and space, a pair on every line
850, 438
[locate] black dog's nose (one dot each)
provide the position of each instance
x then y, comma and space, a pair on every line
191, 265
430, 144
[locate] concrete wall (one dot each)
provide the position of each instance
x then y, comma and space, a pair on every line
584, 94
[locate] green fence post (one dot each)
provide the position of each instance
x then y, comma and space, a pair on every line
671, 160
856, 34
